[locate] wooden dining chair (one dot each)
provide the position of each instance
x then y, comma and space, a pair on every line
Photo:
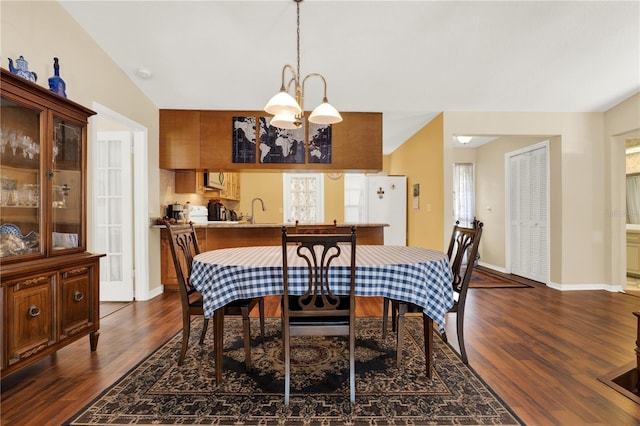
318, 311
184, 247
463, 248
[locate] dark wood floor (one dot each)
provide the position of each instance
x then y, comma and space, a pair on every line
541, 350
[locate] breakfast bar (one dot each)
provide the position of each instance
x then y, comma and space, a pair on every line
226, 234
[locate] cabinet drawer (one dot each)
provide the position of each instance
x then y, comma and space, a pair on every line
76, 300
30, 316
633, 238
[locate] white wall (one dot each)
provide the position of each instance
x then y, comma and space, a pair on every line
40, 30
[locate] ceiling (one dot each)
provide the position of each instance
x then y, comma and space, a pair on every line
409, 60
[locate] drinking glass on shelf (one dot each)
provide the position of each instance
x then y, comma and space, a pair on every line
13, 141
4, 139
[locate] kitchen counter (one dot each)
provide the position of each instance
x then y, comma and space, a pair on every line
244, 224
225, 234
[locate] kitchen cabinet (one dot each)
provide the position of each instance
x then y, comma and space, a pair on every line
633, 253
192, 182
231, 190
49, 283
179, 139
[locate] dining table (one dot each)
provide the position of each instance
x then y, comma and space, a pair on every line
410, 275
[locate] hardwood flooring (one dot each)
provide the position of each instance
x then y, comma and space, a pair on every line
541, 350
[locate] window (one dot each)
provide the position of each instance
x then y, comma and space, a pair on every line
463, 193
303, 197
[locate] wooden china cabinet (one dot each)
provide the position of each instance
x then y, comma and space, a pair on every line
49, 283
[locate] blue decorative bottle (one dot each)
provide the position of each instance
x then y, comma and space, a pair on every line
56, 84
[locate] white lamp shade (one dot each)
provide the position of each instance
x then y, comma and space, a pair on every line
325, 113
464, 139
282, 103
284, 121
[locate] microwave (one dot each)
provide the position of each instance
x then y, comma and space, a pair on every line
213, 180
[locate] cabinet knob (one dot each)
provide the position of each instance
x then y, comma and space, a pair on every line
34, 311
78, 296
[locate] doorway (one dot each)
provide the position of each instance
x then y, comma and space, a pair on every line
118, 219
527, 212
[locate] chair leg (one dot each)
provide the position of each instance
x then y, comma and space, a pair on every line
427, 324
394, 314
205, 325
352, 365
287, 363
402, 309
186, 330
261, 310
385, 315
460, 331
246, 329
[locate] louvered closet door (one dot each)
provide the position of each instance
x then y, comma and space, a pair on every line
528, 211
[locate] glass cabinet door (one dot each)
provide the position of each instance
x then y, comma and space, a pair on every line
66, 185
20, 180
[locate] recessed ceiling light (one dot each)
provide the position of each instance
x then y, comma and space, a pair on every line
144, 73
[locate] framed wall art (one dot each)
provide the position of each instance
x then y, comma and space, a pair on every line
244, 140
320, 143
281, 145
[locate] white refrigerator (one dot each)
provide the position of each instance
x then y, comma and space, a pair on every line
387, 203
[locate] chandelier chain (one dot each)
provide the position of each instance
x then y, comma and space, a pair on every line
298, 35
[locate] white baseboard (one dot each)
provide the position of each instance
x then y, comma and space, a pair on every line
564, 287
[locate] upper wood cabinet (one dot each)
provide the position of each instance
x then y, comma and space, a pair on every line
202, 140
192, 181
179, 139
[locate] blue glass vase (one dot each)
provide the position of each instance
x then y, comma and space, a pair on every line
56, 84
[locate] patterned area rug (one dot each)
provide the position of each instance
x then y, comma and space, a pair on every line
158, 391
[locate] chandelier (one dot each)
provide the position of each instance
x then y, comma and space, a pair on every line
288, 111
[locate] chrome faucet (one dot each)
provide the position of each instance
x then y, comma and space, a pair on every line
253, 217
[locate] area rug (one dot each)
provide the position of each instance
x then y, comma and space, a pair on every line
481, 278
159, 392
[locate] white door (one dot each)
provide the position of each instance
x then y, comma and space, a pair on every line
528, 211
113, 211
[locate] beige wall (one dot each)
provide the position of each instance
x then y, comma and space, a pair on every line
490, 173
41, 30
420, 159
621, 122
579, 219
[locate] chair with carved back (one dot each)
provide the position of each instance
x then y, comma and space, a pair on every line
184, 247
463, 248
318, 311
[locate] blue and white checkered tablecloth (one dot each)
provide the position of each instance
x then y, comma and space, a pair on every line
410, 274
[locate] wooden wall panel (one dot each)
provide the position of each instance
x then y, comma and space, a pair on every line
357, 142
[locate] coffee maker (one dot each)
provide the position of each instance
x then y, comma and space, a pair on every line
217, 211
175, 211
